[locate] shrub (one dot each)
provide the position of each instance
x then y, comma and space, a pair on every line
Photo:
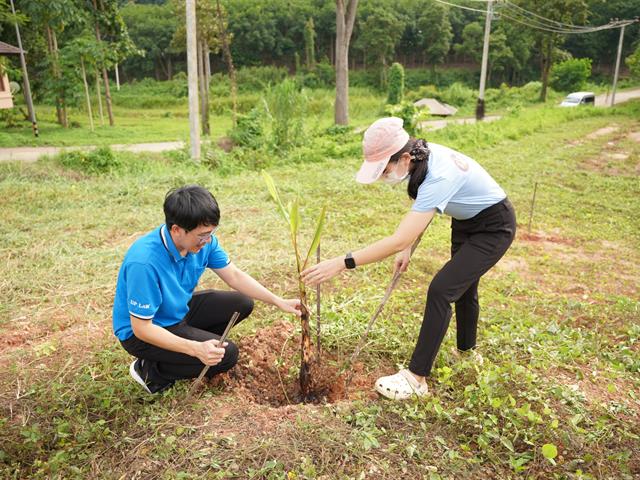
96, 162
458, 95
408, 112
633, 62
249, 130
286, 107
396, 84
322, 76
259, 78
571, 74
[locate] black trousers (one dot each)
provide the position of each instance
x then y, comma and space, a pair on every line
208, 315
476, 245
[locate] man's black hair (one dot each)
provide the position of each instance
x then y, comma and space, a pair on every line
189, 207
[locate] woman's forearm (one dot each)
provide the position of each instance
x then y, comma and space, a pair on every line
380, 249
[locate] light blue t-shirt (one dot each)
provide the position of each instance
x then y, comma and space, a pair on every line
456, 185
156, 283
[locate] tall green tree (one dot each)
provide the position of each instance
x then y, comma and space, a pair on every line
379, 31
112, 34
310, 44
434, 31
51, 19
571, 12
345, 20
151, 28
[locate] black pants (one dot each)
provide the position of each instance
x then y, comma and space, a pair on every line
208, 315
476, 245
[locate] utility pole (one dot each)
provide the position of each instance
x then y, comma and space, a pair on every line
192, 69
615, 75
25, 75
485, 61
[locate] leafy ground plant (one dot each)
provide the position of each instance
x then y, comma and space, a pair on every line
291, 215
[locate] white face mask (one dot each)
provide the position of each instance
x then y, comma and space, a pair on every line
392, 178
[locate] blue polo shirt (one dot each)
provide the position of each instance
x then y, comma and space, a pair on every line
456, 185
156, 283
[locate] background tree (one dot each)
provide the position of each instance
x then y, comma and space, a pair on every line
379, 31
79, 55
151, 28
633, 62
310, 44
110, 32
572, 12
225, 41
345, 19
434, 31
51, 18
571, 74
208, 39
396, 84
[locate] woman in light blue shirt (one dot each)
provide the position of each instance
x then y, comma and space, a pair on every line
483, 225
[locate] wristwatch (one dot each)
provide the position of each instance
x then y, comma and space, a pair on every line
349, 262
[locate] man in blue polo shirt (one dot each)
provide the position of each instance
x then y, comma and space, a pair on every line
172, 331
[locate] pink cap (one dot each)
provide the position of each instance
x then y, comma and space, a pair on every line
381, 140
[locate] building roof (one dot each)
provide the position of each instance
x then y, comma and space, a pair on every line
6, 49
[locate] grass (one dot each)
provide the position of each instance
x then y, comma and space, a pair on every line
559, 330
158, 121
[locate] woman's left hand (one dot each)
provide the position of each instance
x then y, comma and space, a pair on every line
323, 271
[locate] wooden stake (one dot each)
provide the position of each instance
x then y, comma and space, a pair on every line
318, 307
363, 339
198, 381
99, 95
86, 92
533, 203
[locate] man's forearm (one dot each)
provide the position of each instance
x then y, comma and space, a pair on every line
163, 338
245, 283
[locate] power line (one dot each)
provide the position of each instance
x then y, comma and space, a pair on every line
538, 22
559, 24
538, 26
462, 6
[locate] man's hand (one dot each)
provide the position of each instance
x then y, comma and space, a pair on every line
209, 352
289, 306
401, 263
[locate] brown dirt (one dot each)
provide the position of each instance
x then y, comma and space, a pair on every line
597, 387
267, 372
603, 131
542, 237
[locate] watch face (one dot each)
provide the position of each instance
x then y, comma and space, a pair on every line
349, 262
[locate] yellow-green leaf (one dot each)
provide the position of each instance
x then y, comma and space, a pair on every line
271, 186
316, 236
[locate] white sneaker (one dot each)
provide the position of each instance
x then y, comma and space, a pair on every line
401, 386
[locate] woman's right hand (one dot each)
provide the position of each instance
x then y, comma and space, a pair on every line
209, 352
401, 263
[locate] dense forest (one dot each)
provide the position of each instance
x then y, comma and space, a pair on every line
146, 38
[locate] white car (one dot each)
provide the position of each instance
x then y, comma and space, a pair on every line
579, 98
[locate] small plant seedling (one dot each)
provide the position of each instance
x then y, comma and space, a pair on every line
291, 215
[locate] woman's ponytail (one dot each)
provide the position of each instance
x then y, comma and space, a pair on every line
419, 151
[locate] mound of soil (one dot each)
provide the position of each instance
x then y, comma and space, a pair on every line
267, 371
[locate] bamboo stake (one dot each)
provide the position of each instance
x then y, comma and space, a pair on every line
318, 308
363, 339
533, 203
86, 92
198, 381
99, 95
